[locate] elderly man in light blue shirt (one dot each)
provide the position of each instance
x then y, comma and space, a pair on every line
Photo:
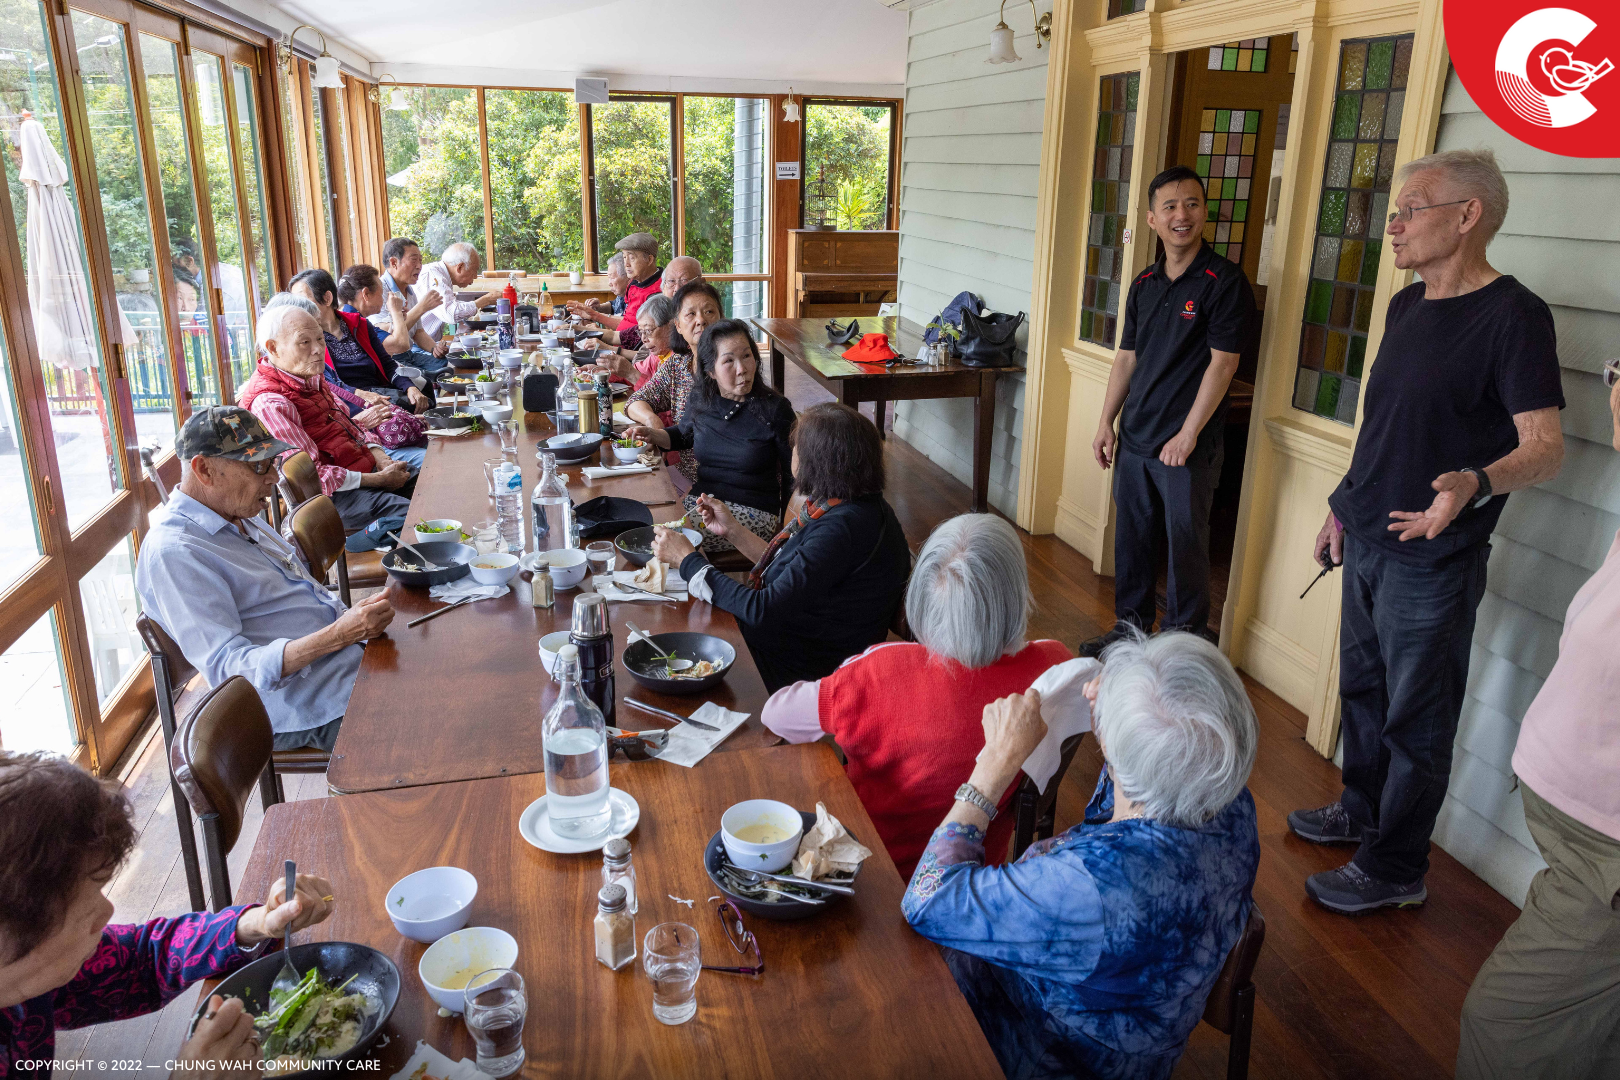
235, 595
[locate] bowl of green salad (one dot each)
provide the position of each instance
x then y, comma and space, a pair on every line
435, 529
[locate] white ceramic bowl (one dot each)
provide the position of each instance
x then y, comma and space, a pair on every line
496, 568
567, 565
628, 454
486, 388
447, 529
772, 858
431, 903
511, 358
495, 412
549, 645
472, 342
549, 340
456, 959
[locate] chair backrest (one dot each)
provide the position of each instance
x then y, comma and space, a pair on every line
1035, 808
178, 669
317, 530
1238, 971
219, 753
299, 481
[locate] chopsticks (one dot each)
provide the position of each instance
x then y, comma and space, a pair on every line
440, 611
677, 717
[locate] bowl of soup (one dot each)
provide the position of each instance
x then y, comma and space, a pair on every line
461, 961
496, 568
761, 834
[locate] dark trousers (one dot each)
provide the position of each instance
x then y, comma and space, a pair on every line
1404, 635
359, 507
1154, 499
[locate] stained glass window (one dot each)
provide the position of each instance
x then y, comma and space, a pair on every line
1116, 8
1358, 172
1110, 192
1226, 162
1246, 55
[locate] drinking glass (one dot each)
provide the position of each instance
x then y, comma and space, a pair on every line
490, 465
602, 558
486, 537
508, 431
669, 954
496, 1008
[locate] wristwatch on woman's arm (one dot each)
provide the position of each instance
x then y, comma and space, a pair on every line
974, 797
1484, 493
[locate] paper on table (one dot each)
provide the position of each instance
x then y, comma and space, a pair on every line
438, 1066
828, 849
462, 588
689, 745
674, 588
602, 472
1066, 711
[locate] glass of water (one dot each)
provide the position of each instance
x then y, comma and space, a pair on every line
670, 956
490, 465
508, 431
496, 1008
602, 558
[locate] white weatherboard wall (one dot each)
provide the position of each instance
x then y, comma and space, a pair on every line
970, 167
1557, 241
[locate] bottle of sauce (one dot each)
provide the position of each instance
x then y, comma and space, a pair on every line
545, 300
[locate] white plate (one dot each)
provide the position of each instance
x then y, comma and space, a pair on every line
535, 825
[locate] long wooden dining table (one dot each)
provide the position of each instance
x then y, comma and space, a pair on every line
461, 696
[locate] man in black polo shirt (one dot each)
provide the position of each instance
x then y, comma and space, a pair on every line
1186, 319
1461, 407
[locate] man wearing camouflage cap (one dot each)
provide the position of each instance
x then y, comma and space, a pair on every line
235, 595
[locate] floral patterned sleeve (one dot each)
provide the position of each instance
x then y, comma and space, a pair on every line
139, 968
951, 844
658, 392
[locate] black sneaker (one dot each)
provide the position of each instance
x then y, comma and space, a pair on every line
1095, 646
1350, 890
1330, 824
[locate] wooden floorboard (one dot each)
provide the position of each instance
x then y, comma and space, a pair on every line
1338, 999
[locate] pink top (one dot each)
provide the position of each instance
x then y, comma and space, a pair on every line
1569, 743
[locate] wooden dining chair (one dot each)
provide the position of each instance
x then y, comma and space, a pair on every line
299, 482
1230, 1008
170, 674
1036, 810
222, 752
317, 532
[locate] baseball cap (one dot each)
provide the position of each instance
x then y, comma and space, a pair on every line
639, 241
227, 431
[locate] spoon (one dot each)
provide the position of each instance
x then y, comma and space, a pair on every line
671, 661
427, 563
288, 979
842, 890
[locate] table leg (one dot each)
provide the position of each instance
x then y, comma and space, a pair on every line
778, 368
880, 413
984, 423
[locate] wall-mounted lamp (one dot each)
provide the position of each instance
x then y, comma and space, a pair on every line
790, 108
325, 74
398, 99
1001, 38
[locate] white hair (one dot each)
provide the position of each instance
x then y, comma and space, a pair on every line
273, 319
1474, 174
617, 262
1175, 725
969, 598
459, 254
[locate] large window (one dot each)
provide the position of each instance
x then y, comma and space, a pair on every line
847, 154
633, 173
724, 143
534, 180
433, 170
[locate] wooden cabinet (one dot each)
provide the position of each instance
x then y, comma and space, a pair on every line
840, 273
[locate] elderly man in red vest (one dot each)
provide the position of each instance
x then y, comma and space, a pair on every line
289, 393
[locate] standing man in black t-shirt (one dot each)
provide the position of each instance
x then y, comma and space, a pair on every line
1461, 408
1186, 319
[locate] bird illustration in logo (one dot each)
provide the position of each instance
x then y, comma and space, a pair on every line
1189, 305
1549, 37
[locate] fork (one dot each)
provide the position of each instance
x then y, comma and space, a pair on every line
288, 979
427, 563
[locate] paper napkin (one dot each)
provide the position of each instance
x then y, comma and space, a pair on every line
602, 472
462, 588
674, 588
1066, 711
689, 745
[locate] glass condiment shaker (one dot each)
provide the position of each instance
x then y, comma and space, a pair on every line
615, 928
543, 589
618, 870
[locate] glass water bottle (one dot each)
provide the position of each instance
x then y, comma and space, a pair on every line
575, 741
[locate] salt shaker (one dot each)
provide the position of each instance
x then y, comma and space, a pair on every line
617, 870
615, 928
542, 587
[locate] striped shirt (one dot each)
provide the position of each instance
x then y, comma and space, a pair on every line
281, 416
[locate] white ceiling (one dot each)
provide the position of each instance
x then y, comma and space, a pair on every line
759, 45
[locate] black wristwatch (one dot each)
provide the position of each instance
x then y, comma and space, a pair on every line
1484, 494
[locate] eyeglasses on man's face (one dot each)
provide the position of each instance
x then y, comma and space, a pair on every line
1611, 372
1405, 213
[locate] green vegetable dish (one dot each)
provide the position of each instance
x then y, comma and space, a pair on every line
425, 527
628, 444
313, 1020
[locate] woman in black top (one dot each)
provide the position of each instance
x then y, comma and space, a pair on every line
355, 351
739, 429
827, 586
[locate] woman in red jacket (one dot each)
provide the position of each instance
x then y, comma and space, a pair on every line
909, 715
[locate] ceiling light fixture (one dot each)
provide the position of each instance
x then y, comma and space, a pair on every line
398, 99
324, 73
790, 108
1001, 38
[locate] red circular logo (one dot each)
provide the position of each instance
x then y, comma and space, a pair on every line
1189, 305
1547, 75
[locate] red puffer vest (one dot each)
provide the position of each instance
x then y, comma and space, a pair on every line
324, 419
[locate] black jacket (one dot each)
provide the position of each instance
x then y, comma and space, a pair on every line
742, 448
830, 593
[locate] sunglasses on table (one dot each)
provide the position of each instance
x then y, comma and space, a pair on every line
1611, 372
637, 745
741, 938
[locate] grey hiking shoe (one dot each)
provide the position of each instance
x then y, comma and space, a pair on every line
1350, 890
1329, 824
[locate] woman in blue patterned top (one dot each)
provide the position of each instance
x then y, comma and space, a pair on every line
1093, 954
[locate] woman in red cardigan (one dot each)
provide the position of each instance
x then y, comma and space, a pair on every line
909, 715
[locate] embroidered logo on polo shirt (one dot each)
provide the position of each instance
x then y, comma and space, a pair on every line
1189, 311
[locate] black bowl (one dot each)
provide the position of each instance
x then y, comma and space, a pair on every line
456, 559
782, 910
589, 446
374, 975
635, 545
444, 416
639, 659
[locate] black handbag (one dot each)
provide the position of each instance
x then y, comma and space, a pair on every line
988, 340
843, 335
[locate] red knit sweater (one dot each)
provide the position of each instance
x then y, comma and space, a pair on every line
912, 728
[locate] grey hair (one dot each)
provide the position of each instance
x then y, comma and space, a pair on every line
659, 308
459, 254
969, 597
1176, 726
274, 316
617, 262
1475, 175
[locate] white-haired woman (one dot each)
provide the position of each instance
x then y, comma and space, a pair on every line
1093, 954
907, 715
